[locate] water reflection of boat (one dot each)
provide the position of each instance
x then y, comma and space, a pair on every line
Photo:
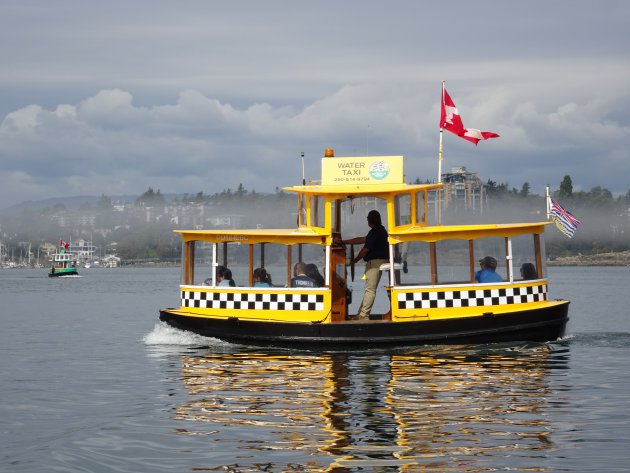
444, 410
433, 294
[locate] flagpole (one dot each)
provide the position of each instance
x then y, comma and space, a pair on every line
548, 202
439, 179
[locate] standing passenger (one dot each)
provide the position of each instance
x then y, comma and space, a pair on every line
375, 252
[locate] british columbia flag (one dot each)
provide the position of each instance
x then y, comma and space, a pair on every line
564, 220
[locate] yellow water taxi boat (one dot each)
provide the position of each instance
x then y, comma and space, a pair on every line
430, 279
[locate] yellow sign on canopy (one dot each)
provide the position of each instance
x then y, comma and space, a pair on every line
362, 170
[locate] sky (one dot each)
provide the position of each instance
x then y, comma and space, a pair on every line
200, 96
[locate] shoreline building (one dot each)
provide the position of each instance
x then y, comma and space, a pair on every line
463, 190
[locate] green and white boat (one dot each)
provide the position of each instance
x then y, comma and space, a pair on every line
63, 262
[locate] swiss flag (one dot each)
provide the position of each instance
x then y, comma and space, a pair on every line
451, 120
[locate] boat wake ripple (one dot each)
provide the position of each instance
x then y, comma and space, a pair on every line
163, 334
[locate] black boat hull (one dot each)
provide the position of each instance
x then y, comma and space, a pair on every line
541, 324
61, 274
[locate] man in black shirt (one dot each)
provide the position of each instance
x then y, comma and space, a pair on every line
375, 252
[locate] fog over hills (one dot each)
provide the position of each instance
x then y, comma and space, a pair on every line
70, 203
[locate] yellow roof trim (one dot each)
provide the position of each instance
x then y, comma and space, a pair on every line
320, 236
465, 232
287, 236
348, 190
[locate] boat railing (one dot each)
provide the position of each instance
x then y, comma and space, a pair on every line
429, 285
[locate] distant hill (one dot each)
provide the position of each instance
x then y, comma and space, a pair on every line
71, 203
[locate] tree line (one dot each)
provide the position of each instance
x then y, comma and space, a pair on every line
131, 234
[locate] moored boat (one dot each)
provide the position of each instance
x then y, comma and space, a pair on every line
431, 280
63, 262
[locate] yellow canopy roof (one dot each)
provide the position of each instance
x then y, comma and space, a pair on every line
465, 232
343, 191
286, 236
319, 236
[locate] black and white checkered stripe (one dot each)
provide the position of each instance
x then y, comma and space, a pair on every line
252, 301
471, 298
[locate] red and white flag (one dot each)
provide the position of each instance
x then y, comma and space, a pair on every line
451, 120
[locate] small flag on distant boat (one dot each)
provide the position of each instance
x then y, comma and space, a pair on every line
451, 120
564, 220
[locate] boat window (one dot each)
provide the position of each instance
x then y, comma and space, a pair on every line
432, 216
543, 254
336, 213
491, 246
354, 214
234, 255
317, 211
420, 215
524, 256
277, 259
414, 257
402, 209
302, 202
274, 257
200, 254
309, 254
453, 261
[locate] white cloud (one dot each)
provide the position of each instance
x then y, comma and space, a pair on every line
23, 119
199, 98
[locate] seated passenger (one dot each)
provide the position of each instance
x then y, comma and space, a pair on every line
528, 271
208, 281
261, 278
313, 273
488, 270
300, 279
224, 277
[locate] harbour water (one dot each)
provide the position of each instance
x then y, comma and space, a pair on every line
91, 382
